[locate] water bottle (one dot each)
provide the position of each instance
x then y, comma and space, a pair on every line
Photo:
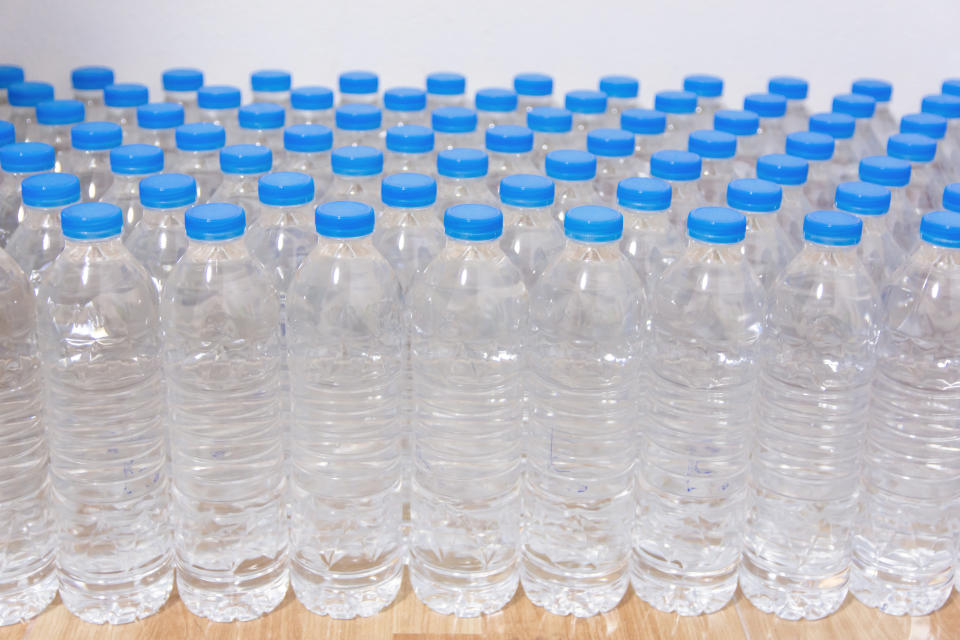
359, 87
770, 109
951, 197
357, 172
707, 313
198, 155
88, 84
926, 184
9, 74
462, 178
795, 91
271, 86
587, 323
99, 342
306, 149
261, 123
454, 127
878, 249
242, 166
404, 105
532, 237
38, 239
652, 240
158, 239
344, 334
573, 173
883, 123
468, 315
817, 150
129, 164
946, 106
894, 174
510, 151
816, 365
589, 112
409, 149
552, 129
767, 246
446, 89
862, 108
121, 100
718, 165
311, 105
24, 98
846, 155
219, 104
19, 161
709, 92
180, 86
648, 127
157, 124
533, 90
495, 106
613, 149
358, 124
932, 126
54, 119
745, 125
621, 92
790, 173
29, 535
681, 169
89, 159
905, 534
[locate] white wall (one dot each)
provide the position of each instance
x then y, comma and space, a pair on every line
913, 44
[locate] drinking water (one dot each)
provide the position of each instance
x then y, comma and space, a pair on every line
615, 160
846, 155
510, 151
454, 128
878, 249
54, 120
129, 164
157, 124
306, 149
816, 149
681, 169
24, 98
795, 91
219, 104
462, 178
198, 155
652, 240
357, 172
495, 106
718, 164
180, 87
621, 92
862, 108
311, 105
410, 150
88, 84
573, 173
405, 105
359, 87
709, 92
242, 166
648, 127
121, 100
883, 123
551, 128
894, 174
790, 172
767, 246
770, 109
533, 90
89, 159
261, 123
446, 89
358, 124
19, 161
532, 237
745, 125
589, 112
271, 86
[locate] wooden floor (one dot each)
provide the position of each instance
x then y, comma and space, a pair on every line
407, 619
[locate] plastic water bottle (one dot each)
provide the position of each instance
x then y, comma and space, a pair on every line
904, 544
158, 122
552, 129
242, 166
589, 112
9, 74
510, 151
89, 159
54, 119
894, 174
621, 92
29, 534
932, 126
24, 98
129, 164
862, 108
468, 316
533, 90
707, 311
409, 149
532, 237
344, 333
648, 127
180, 86
311, 105
38, 239
358, 124
770, 109
158, 239
271, 86
767, 246
573, 173
262, 123
88, 84
121, 100
306, 149
221, 358
405, 105
718, 165
652, 240
946, 106
219, 104
100, 347
790, 173
745, 125
454, 128
846, 155
878, 249
462, 178
817, 361
615, 160
682, 170
817, 150
883, 123
19, 161
359, 87
709, 92
446, 89
951, 197
587, 324
795, 91
495, 106
926, 184
357, 172
198, 155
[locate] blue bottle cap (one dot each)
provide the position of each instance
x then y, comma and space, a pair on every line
29, 94
754, 195
951, 86
947, 106
7, 133
136, 159
344, 219
612, 143
454, 120
410, 138
50, 190
474, 222
526, 190
533, 84
405, 99
832, 228
879, 90
766, 105
704, 85
91, 221
927, 124
311, 98
125, 94
408, 190
838, 126
782, 169
644, 194
285, 189
710, 143
183, 79
675, 165
549, 120
585, 101
356, 161
446, 83
570, 164
790, 87
620, 86
495, 99
863, 198
592, 223
27, 157
810, 145
261, 115
358, 117
10, 74
885, 171
245, 159
215, 221
200, 136
160, 115
716, 225
91, 78
941, 228
96, 136
509, 138
951, 197
643, 121
218, 97
359, 82
55, 112
912, 147
739, 123
462, 163
307, 138
168, 191
855, 104
270, 80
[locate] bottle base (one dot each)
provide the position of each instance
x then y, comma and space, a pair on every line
315, 593
792, 599
21, 605
117, 604
685, 596
463, 594
553, 592
236, 601
901, 598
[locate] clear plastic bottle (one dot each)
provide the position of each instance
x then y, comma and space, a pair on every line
99, 338
707, 311
648, 127
573, 173
790, 173
262, 123
198, 155
862, 108
510, 151
27, 553
795, 91
615, 160
405, 105
894, 174
306, 149
219, 104
817, 150
9, 74
771, 108
358, 124
878, 250
158, 239
180, 86
271, 86
88, 83
409, 149
455, 127
817, 360
533, 90
946, 106
129, 164
717, 151
551, 128
589, 109
494, 107
242, 166
221, 358
157, 124
19, 161
359, 87
357, 173
926, 184
468, 316
932, 126
883, 123
344, 333
709, 92
680, 110
89, 159
121, 100
682, 170
53, 121
621, 92
746, 126
462, 178
652, 240
312, 105
532, 237
904, 559
846, 155
446, 89
587, 324
767, 246
24, 98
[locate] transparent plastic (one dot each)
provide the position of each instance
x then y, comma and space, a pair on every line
531, 238
158, 240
